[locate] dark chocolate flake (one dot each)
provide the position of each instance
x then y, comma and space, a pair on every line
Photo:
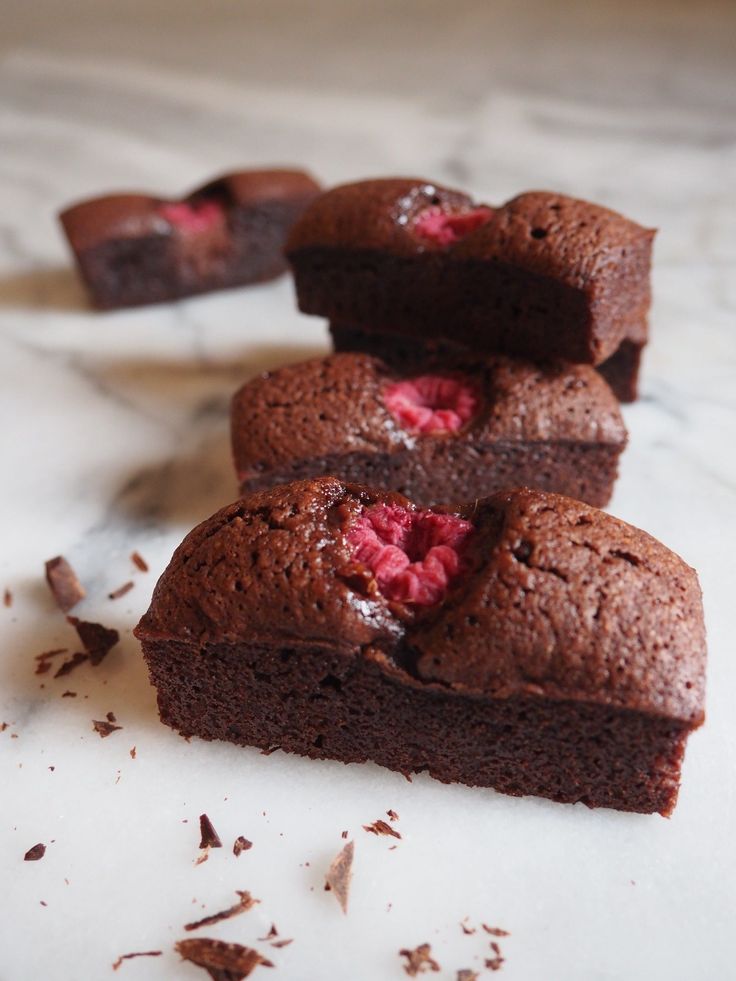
139, 562
121, 590
63, 583
245, 903
223, 961
240, 845
103, 727
209, 837
141, 953
34, 854
380, 827
419, 960
97, 640
339, 874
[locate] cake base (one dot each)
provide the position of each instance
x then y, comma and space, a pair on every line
357, 706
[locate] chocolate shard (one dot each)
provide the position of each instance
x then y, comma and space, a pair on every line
63, 583
103, 727
34, 854
419, 960
245, 903
209, 837
380, 827
223, 961
96, 639
240, 845
139, 562
138, 953
74, 661
340, 873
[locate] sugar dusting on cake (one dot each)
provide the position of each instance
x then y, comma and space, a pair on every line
446, 228
413, 555
432, 403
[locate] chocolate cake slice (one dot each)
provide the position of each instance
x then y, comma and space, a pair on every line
525, 642
134, 248
461, 431
542, 277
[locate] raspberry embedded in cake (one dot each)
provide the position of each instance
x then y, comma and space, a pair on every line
432, 403
446, 228
414, 556
192, 218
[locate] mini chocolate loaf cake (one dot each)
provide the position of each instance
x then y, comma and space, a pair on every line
525, 642
542, 277
133, 248
458, 432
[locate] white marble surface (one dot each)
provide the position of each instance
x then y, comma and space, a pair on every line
114, 438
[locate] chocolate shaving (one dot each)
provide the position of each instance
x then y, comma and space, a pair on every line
223, 961
343, 834
241, 844
210, 838
8, 598
273, 932
34, 854
132, 752
339, 874
392, 815
139, 562
282, 943
245, 903
44, 660
63, 583
104, 728
495, 931
142, 953
121, 590
466, 929
419, 960
494, 963
68, 666
97, 640
380, 827
465, 974
202, 857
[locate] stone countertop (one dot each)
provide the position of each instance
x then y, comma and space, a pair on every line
115, 438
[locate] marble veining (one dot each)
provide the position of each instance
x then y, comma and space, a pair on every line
115, 438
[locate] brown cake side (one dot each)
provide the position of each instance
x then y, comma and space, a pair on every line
544, 276
133, 248
461, 430
526, 642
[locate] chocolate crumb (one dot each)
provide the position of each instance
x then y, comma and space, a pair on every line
74, 661
139, 562
273, 932
494, 963
466, 929
392, 815
344, 834
245, 903
465, 974
43, 902
142, 953
52, 768
210, 838
241, 844
111, 717
339, 874
202, 857
3, 726
223, 961
63, 583
34, 854
97, 640
495, 948
104, 728
7, 598
380, 827
282, 943
44, 660
495, 931
419, 960
69, 694
132, 752
121, 590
